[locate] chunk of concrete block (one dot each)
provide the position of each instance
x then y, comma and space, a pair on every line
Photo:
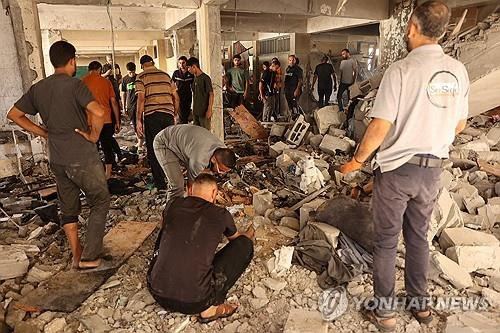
470, 322
262, 201
475, 221
493, 136
331, 233
331, 144
447, 179
284, 161
492, 297
473, 258
315, 140
446, 214
13, 262
451, 271
7, 168
328, 116
277, 130
276, 149
296, 155
36, 275
306, 210
336, 132
298, 131
465, 236
290, 222
305, 321
476, 145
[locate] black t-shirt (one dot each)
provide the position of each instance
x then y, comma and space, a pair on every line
292, 76
324, 72
267, 78
61, 101
183, 81
128, 87
193, 227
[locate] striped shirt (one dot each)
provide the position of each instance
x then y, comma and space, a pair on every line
158, 88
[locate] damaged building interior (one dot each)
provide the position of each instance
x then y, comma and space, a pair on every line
292, 153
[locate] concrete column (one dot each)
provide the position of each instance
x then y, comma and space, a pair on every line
161, 45
150, 51
26, 27
208, 30
392, 32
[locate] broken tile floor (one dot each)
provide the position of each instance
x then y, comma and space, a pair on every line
465, 261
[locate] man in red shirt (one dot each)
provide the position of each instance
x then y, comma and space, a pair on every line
103, 92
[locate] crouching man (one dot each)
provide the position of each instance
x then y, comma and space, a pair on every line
186, 274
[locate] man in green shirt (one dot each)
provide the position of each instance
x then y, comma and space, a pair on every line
203, 94
237, 82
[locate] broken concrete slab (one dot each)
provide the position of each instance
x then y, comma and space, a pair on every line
68, 289
248, 123
473, 258
336, 132
274, 284
451, 271
56, 325
492, 297
287, 232
277, 130
465, 236
476, 145
332, 144
475, 221
13, 262
278, 148
36, 275
315, 140
470, 322
331, 233
95, 324
306, 210
262, 201
328, 116
284, 162
446, 214
305, 321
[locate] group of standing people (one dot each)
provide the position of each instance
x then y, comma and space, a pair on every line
274, 82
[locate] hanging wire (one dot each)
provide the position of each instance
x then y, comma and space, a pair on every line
112, 39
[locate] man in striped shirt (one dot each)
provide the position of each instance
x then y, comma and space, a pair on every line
157, 105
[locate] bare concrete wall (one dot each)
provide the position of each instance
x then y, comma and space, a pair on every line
10, 84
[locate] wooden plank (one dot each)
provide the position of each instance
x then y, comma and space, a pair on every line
66, 290
248, 123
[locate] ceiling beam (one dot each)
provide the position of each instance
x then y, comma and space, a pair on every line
246, 22
64, 17
179, 18
182, 4
327, 23
375, 10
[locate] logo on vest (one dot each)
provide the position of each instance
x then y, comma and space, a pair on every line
442, 89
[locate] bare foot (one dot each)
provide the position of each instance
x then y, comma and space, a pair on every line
89, 264
76, 257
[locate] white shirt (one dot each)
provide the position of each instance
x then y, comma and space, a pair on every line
424, 96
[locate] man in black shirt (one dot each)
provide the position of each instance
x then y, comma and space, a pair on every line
293, 84
63, 102
325, 75
184, 80
186, 274
267, 91
129, 98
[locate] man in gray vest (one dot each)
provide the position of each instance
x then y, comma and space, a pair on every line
421, 105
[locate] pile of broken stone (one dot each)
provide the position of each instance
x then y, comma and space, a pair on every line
464, 231
473, 34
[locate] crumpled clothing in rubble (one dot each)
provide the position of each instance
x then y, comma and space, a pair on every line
314, 252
